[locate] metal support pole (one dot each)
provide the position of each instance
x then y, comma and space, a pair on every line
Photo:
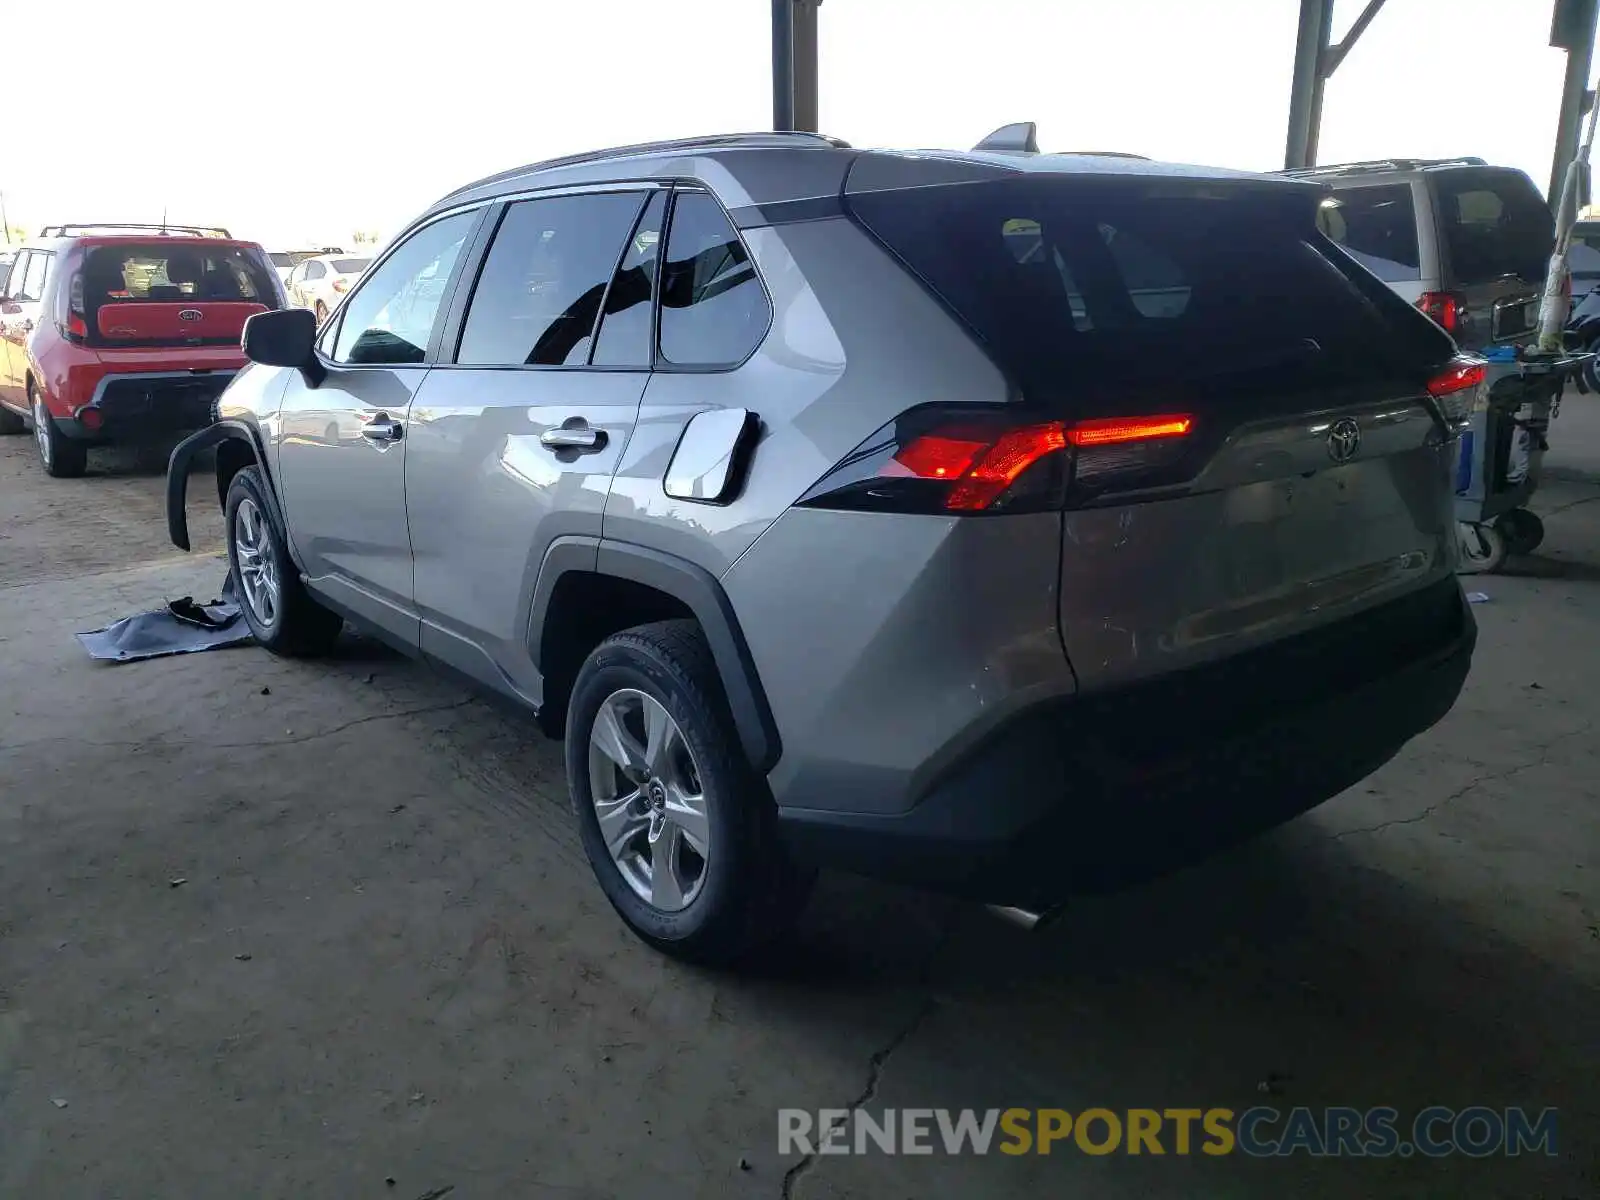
5, 224
805, 64
783, 64
1575, 31
1305, 94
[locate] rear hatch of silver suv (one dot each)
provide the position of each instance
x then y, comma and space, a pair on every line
1495, 234
1257, 433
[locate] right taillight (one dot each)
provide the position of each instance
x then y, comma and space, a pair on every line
1448, 310
1459, 387
938, 460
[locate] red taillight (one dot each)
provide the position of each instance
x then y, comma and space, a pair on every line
77, 327
1456, 386
930, 461
1448, 310
91, 419
1461, 374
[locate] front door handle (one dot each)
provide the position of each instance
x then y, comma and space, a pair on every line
566, 438
382, 428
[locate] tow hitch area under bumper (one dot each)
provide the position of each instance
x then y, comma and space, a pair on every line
129, 407
1056, 805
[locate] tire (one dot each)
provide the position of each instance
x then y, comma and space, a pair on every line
11, 422
321, 311
61, 457
1591, 369
1522, 531
280, 612
1483, 549
734, 890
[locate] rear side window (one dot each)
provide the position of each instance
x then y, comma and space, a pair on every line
33, 278
541, 288
1087, 289
625, 326
1494, 223
714, 311
1378, 226
315, 270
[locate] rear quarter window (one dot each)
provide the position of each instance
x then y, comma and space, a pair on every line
1378, 227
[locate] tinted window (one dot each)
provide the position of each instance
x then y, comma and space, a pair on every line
540, 291
279, 259
1378, 226
713, 308
14, 274
165, 272
1092, 291
350, 266
315, 270
1494, 223
625, 327
390, 315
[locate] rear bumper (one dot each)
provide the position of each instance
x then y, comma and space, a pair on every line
1054, 803
127, 406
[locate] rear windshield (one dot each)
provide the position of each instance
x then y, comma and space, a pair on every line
1494, 223
1084, 287
174, 273
282, 260
350, 266
1378, 226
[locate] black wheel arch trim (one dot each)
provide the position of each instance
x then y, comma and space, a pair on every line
183, 458
700, 592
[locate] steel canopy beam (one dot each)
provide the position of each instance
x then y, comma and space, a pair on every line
783, 65
1315, 59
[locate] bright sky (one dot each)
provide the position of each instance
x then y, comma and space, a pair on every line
301, 121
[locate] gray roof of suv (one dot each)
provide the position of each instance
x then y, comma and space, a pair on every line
771, 168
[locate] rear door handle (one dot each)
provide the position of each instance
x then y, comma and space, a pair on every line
566, 438
382, 428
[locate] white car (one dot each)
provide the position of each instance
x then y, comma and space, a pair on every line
320, 283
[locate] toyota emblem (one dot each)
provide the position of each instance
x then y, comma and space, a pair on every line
1344, 439
190, 314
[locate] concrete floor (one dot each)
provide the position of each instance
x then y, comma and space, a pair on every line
386, 970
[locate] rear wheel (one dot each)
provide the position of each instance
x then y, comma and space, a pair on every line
61, 457
680, 831
280, 612
1483, 549
322, 312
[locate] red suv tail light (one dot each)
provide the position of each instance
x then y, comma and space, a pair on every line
1448, 310
1457, 386
937, 459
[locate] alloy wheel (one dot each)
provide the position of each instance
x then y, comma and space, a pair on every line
649, 800
258, 569
41, 429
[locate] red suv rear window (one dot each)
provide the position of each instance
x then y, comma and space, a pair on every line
169, 293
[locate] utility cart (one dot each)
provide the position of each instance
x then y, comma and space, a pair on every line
1503, 441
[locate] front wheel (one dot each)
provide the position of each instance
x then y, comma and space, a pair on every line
280, 612
680, 830
1483, 549
61, 457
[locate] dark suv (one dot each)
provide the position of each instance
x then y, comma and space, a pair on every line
119, 332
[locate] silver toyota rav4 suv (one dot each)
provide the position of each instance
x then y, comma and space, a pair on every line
990, 521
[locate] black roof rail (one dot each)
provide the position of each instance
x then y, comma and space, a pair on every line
74, 228
768, 140
1384, 164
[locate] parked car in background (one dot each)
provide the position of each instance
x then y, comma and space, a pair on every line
285, 261
7, 256
118, 332
1466, 242
320, 283
1583, 261
983, 520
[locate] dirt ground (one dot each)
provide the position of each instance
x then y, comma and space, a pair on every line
325, 930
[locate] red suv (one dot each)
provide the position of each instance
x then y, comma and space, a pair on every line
115, 332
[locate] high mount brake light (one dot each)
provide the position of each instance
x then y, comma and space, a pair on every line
932, 460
